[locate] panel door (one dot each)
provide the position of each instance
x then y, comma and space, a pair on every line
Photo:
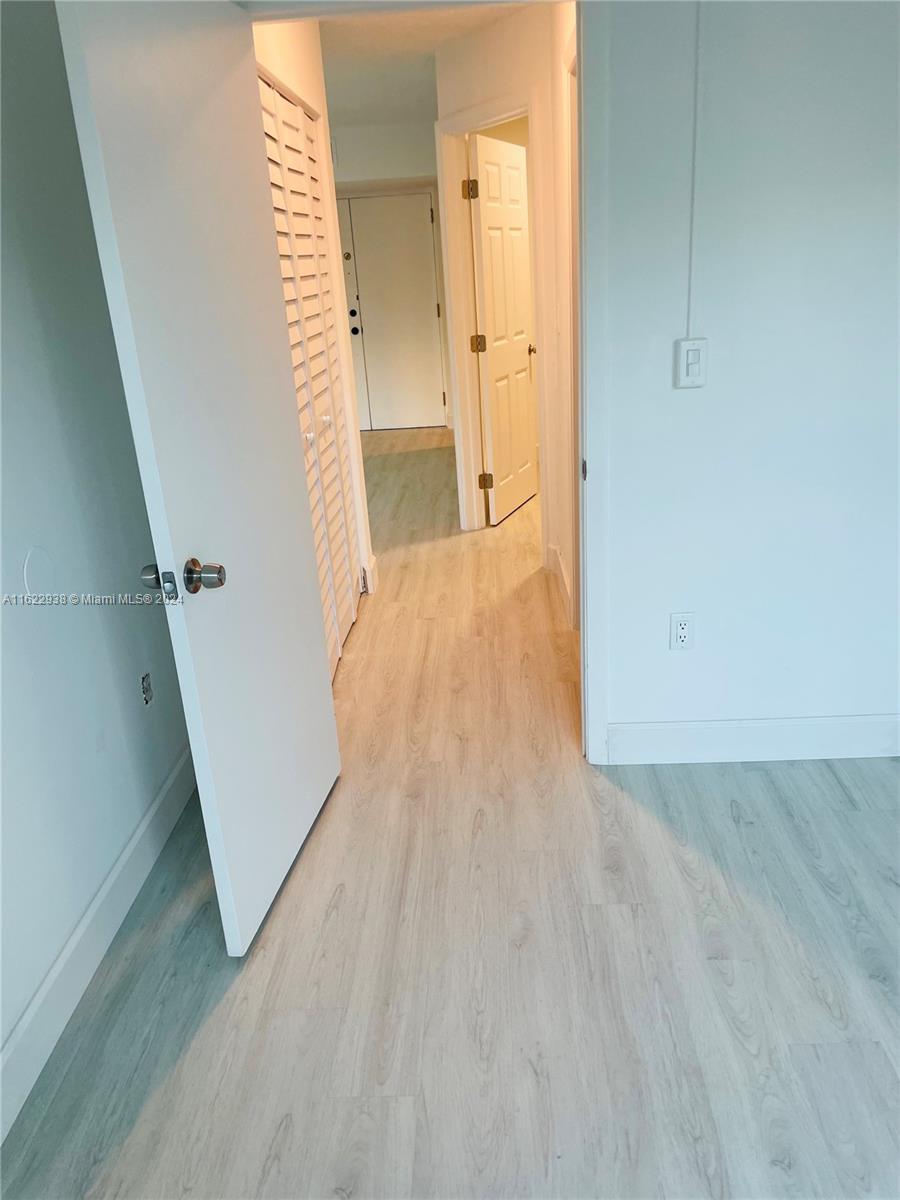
166, 107
503, 300
395, 272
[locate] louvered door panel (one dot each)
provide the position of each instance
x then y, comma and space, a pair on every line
307, 215
330, 348
290, 254
302, 235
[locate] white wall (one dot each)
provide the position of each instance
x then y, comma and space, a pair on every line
384, 151
292, 51
766, 503
522, 56
93, 779
514, 131
381, 107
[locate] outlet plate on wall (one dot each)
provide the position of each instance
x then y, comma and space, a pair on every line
681, 631
690, 362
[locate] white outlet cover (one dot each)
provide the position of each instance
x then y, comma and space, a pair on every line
691, 356
681, 631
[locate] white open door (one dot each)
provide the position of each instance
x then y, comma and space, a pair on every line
167, 111
503, 300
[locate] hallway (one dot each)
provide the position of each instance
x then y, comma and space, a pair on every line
495, 971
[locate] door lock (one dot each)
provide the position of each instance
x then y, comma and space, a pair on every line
198, 575
151, 577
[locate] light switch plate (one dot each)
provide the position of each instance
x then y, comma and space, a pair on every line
691, 357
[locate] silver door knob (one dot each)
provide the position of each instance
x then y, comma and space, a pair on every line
198, 575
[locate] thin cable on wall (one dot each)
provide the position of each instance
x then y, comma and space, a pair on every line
696, 119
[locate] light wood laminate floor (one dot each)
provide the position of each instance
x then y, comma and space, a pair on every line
495, 971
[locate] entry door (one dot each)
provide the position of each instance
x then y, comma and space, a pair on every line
292, 140
503, 301
167, 112
351, 287
395, 271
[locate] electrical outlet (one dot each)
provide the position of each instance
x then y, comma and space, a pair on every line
681, 631
146, 688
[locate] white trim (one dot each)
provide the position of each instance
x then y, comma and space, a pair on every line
593, 387
755, 741
37, 1031
462, 374
556, 564
386, 187
372, 576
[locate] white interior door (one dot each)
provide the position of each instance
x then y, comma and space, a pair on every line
351, 287
395, 272
167, 112
503, 299
294, 163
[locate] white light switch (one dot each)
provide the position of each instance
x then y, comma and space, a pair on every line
690, 362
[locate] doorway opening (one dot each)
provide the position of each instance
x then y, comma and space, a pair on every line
451, 144
451, 136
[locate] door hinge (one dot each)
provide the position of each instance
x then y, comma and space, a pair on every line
439, 311
444, 398
364, 582
432, 216
478, 343
584, 468
486, 481
470, 189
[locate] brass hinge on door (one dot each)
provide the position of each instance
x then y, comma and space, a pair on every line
486, 481
478, 343
470, 189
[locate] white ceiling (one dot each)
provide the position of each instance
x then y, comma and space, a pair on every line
383, 91
379, 67
411, 31
453, 14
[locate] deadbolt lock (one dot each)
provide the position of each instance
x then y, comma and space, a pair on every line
198, 575
152, 577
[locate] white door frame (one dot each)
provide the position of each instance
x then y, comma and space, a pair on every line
458, 252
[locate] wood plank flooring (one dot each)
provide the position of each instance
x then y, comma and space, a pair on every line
495, 971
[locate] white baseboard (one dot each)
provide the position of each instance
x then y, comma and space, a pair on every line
556, 564
755, 741
371, 570
37, 1031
